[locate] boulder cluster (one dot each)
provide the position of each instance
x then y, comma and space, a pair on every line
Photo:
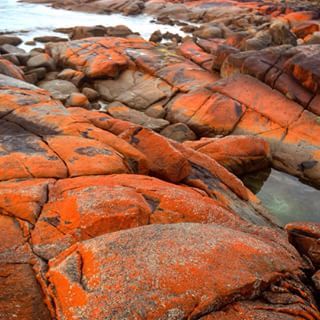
120, 160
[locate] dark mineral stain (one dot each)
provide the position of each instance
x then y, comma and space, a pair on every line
32, 126
54, 221
135, 140
238, 109
307, 164
152, 202
204, 175
133, 164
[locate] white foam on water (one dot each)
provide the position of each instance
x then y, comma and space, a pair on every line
32, 20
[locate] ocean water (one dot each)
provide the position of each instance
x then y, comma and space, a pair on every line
285, 196
31, 20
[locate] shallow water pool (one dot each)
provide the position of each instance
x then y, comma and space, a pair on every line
285, 196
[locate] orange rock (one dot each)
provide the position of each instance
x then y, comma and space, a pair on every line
86, 213
305, 28
11, 70
14, 246
292, 89
35, 118
94, 180
95, 57
94, 61
187, 76
153, 59
221, 56
86, 157
163, 160
71, 75
263, 311
207, 114
24, 155
184, 106
314, 106
218, 115
23, 199
254, 123
77, 100
220, 184
134, 159
260, 98
193, 52
192, 270
20, 294
84, 208
304, 67
239, 154
297, 17
305, 237
15, 94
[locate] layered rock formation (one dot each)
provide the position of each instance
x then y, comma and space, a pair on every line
115, 213
246, 102
71, 175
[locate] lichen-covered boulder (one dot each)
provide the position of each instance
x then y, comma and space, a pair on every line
176, 271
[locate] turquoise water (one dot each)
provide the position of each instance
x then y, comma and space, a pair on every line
30, 20
285, 196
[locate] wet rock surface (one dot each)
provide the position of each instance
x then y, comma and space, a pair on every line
119, 157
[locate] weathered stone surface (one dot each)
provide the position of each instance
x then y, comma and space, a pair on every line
24, 199
9, 69
85, 208
316, 280
59, 89
275, 310
305, 237
13, 40
284, 124
86, 156
14, 247
71, 75
304, 66
20, 294
45, 39
205, 113
120, 111
225, 107
25, 155
239, 154
135, 89
192, 51
197, 243
95, 60
41, 60
179, 280
179, 132
11, 49
78, 100
163, 159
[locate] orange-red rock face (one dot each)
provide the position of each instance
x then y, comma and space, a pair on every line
81, 210
104, 218
175, 270
274, 97
73, 212
240, 154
